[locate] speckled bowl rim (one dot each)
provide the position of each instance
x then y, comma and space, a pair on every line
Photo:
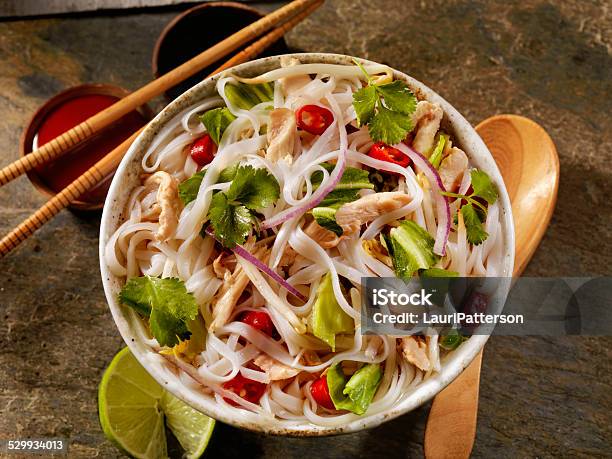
130, 326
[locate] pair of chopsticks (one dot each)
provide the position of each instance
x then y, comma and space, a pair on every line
279, 22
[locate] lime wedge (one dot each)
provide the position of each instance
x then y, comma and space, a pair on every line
134, 411
191, 428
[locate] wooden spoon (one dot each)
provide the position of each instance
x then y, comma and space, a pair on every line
528, 162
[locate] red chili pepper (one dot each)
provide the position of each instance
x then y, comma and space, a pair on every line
384, 152
320, 392
314, 119
203, 150
259, 320
245, 388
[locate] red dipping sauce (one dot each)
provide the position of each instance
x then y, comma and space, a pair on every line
63, 113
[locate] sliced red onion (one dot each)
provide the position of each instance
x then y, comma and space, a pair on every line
242, 252
442, 206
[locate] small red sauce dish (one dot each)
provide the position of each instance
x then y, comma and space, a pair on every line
61, 113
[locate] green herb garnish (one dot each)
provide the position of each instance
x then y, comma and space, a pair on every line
474, 212
216, 121
385, 108
167, 304
188, 189
231, 212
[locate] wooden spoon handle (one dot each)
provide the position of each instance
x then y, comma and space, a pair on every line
454, 429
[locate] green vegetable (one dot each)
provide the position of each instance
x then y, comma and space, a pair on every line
167, 304
231, 222
327, 318
254, 188
188, 189
326, 217
451, 340
411, 249
438, 282
474, 227
231, 213
483, 187
385, 108
352, 178
436, 157
474, 211
356, 394
347, 190
438, 272
246, 96
216, 121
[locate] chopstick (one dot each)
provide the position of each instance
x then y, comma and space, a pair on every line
56, 147
109, 163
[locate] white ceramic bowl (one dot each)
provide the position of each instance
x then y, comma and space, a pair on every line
130, 325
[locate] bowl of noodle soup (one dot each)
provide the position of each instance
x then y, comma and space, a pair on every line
251, 246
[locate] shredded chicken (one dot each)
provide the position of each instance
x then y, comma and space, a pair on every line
414, 350
275, 370
352, 215
452, 169
426, 119
226, 299
224, 264
325, 238
162, 202
282, 135
292, 84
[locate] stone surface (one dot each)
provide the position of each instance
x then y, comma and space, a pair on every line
548, 61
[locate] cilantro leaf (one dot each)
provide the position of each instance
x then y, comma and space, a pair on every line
231, 222
167, 304
188, 189
365, 101
216, 122
474, 227
483, 187
253, 188
385, 108
389, 127
398, 97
